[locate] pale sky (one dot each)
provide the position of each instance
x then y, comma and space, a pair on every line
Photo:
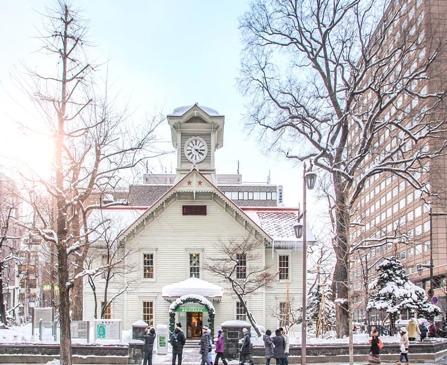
161, 54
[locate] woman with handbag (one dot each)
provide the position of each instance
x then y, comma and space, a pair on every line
374, 350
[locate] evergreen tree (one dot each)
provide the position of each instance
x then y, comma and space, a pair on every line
394, 293
321, 309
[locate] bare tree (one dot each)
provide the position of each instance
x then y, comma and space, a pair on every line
334, 79
105, 265
289, 315
231, 265
9, 238
91, 149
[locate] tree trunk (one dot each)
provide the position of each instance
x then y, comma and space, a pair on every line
340, 277
64, 307
78, 284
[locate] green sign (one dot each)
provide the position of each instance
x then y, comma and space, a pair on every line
192, 307
162, 341
100, 330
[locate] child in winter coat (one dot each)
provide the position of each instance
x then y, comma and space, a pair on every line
220, 348
404, 344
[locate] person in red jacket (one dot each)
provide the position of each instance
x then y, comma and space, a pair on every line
220, 346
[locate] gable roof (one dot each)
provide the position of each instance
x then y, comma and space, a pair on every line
194, 182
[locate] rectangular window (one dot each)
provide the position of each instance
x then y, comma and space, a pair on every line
284, 312
241, 268
250, 195
194, 265
194, 209
241, 195
106, 311
283, 267
241, 314
148, 312
148, 266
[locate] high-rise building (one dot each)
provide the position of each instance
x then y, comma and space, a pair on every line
414, 222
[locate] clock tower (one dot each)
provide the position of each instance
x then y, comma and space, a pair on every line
196, 132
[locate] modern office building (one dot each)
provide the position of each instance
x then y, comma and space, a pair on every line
389, 206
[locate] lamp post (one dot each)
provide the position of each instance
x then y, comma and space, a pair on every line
309, 179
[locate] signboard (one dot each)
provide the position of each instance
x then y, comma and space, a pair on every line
106, 329
101, 330
40, 313
191, 307
79, 329
162, 339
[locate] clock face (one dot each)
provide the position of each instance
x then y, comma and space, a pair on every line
196, 149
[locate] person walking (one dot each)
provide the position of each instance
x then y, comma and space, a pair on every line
280, 344
177, 341
376, 345
205, 346
413, 329
404, 345
246, 348
149, 339
287, 347
220, 347
268, 346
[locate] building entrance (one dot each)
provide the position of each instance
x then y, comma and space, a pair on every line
194, 322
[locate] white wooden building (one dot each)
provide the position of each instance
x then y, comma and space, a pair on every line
169, 242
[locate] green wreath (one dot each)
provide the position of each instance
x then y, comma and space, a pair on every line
211, 313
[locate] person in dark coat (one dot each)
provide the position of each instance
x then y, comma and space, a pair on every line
268, 346
375, 347
220, 348
205, 346
246, 348
423, 330
177, 341
280, 346
149, 339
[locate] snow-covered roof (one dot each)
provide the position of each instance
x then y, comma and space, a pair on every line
183, 109
115, 219
192, 286
278, 223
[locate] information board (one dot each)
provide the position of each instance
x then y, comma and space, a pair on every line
79, 329
108, 329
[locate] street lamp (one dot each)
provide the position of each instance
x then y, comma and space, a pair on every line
309, 179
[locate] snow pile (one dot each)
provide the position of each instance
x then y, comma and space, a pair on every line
192, 286
53, 362
192, 298
16, 334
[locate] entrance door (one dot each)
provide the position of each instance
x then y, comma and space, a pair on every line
194, 324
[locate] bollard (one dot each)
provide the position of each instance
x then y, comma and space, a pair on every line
88, 331
40, 329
